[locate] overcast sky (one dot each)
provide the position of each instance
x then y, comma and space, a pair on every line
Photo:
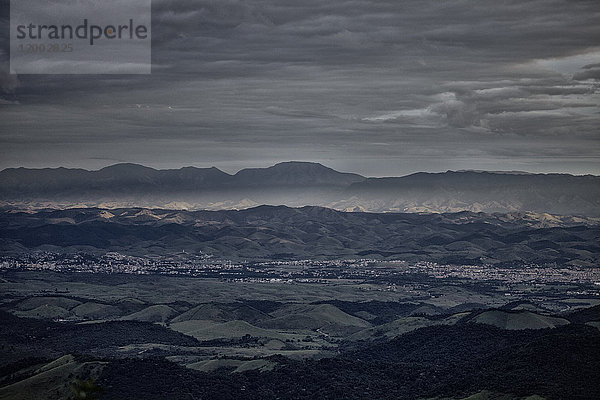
373, 87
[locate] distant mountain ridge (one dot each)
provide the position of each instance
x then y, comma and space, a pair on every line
295, 173
299, 184
25, 180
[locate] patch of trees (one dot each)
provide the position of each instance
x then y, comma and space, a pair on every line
585, 315
450, 361
32, 337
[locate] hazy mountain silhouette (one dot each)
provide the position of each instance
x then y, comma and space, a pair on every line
299, 184
295, 173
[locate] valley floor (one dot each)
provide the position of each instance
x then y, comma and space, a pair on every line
378, 335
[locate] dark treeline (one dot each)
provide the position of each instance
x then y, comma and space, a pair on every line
437, 361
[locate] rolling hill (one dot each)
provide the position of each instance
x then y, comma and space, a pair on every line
322, 317
275, 233
518, 320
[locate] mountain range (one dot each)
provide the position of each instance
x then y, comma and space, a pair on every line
276, 233
298, 184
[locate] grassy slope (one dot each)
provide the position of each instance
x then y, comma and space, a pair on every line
51, 382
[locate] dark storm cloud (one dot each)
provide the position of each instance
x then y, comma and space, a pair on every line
378, 87
591, 73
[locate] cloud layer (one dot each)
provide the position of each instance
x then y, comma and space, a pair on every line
376, 87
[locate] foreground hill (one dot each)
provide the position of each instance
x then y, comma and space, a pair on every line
449, 362
451, 357
310, 232
299, 184
518, 320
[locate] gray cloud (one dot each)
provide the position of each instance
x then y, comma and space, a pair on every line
8, 82
369, 86
589, 73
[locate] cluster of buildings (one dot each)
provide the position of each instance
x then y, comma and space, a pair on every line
289, 271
